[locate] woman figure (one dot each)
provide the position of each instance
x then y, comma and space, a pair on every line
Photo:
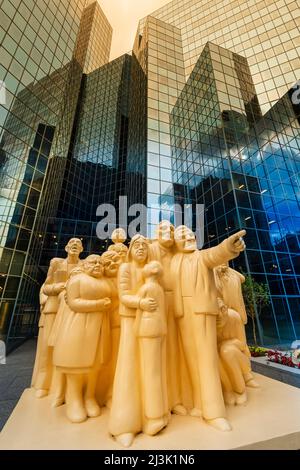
126, 418
81, 346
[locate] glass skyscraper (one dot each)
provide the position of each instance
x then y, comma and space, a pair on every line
202, 112
265, 32
45, 48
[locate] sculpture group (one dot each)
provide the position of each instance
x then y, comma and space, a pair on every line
149, 330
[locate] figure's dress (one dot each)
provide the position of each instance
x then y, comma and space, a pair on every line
126, 410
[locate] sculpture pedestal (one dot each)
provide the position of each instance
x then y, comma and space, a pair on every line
270, 420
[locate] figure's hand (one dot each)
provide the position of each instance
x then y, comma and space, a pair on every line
104, 304
236, 242
223, 309
148, 304
60, 287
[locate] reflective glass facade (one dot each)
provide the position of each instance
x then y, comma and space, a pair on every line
201, 112
94, 39
266, 32
244, 167
42, 79
96, 167
160, 48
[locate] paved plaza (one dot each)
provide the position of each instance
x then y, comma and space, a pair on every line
15, 376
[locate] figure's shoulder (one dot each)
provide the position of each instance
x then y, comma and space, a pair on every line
124, 268
55, 262
237, 274
144, 290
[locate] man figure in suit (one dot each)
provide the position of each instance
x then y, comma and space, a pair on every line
58, 274
196, 307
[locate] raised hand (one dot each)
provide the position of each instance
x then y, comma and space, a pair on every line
236, 242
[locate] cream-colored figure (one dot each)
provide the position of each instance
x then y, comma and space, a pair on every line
235, 365
162, 250
196, 308
43, 300
119, 237
58, 386
111, 261
151, 329
57, 277
233, 349
229, 283
82, 344
126, 417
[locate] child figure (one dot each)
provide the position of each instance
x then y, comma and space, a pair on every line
151, 330
119, 237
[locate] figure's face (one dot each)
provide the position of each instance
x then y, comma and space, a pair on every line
74, 247
139, 251
165, 235
186, 241
93, 266
111, 262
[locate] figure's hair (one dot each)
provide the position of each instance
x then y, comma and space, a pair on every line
91, 256
109, 254
136, 237
164, 223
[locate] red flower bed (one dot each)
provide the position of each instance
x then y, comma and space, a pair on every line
281, 358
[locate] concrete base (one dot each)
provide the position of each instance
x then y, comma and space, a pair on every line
270, 420
288, 375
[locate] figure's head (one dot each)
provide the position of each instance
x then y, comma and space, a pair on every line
154, 268
118, 235
185, 239
111, 261
74, 247
138, 249
165, 234
121, 250
93, 266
